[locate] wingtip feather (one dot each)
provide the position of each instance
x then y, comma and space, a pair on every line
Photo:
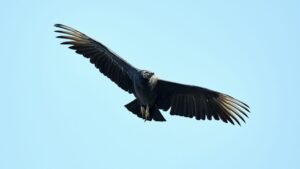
58, 25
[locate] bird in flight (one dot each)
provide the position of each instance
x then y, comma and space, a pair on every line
153, 94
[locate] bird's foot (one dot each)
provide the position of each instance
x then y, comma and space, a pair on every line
146, 116
145, 113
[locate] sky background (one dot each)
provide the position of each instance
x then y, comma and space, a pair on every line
58, 112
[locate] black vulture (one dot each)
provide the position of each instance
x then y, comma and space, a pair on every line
151, 93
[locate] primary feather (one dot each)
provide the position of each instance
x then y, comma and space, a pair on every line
109, 63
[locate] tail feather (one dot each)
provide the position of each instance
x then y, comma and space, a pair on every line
156, 115
135, 108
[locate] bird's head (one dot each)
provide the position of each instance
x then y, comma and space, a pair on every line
146, 74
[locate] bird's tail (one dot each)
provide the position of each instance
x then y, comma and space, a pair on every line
135, 108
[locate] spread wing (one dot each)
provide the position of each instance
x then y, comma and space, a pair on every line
109, 63
201, 103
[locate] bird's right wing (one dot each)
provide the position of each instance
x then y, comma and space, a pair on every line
109, 63
193, 101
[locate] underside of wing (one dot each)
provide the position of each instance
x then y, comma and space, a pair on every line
199, 103
110, 64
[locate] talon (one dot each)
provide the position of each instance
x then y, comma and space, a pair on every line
145, 113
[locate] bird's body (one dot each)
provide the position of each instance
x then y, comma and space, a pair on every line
152, 93
144, 89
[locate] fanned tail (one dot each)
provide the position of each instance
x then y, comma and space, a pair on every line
135, 108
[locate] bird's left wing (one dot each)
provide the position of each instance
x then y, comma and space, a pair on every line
109, 63
193, 101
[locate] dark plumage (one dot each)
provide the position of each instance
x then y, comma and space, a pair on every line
151, 92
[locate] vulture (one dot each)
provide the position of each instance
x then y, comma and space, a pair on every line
153, 94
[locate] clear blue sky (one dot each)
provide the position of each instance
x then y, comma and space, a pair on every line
58, 112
